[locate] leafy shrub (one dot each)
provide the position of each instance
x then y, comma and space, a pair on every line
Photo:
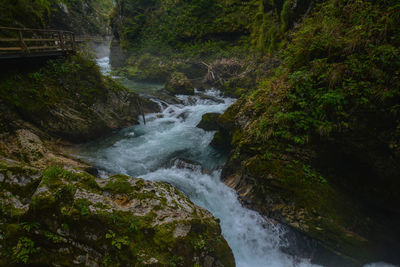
23, 250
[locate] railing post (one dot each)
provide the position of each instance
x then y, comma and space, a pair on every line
21, 40
73, 41
61, 38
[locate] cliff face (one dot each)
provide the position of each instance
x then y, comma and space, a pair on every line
316, 145
84, 17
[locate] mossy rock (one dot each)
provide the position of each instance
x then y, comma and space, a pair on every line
209, 122
73, 218
179, 84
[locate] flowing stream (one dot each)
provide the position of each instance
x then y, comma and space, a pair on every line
170, 148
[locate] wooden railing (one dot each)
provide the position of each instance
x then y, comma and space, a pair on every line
91, 38
16, 41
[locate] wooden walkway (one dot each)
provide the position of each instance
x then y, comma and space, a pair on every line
27, 43
22, 43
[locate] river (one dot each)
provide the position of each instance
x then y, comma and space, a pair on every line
172, 149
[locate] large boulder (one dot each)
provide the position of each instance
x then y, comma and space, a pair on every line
60, 217
179, 84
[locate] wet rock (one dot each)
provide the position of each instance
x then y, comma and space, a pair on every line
92, 170
182, 163
179, 84
211, 98
30, 144
209, 122
183, 115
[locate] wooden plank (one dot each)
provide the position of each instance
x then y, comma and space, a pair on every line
9, 39
39, 40
31, 30
55, 53
10, 48
42, 47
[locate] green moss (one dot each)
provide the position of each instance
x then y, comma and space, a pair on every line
54, 175
118, 184
163, 236
209, 122
83, 206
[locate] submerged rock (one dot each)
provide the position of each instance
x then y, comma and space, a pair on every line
179, 84
64, 218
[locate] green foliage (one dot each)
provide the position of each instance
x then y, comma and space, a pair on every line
53, 237
53, 176
340, 75
23, 250
36, 92
117, 242
133, 226
83, 206
186, 28
175, 261
286, 15
335, 96
28, 226
311, 174
199, 243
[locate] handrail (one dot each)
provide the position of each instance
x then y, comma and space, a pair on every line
37, 30
23, 42
44, 41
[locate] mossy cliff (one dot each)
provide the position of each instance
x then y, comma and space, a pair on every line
70, 218
83, 17
69, 99
316, 145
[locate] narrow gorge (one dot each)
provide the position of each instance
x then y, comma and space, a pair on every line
200, 133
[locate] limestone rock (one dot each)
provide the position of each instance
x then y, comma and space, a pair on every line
64, 218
